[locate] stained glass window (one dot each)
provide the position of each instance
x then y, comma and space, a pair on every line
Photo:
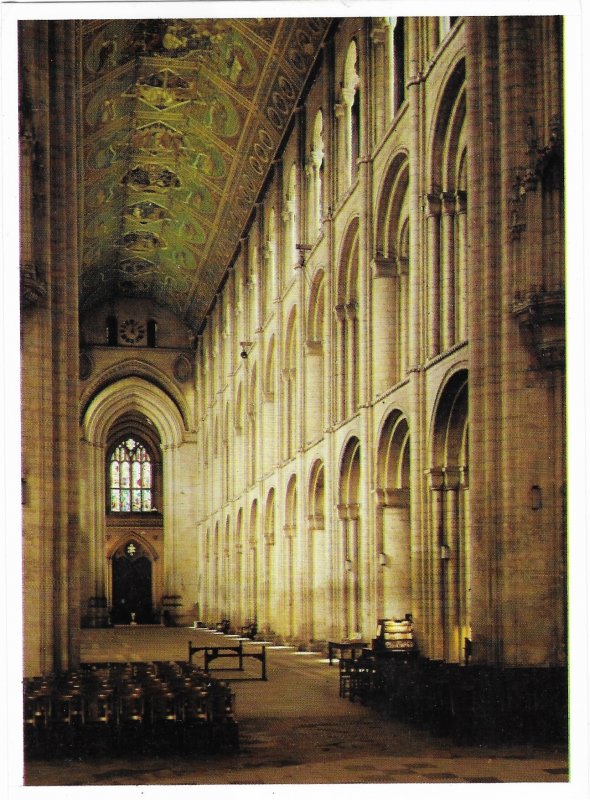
130, 473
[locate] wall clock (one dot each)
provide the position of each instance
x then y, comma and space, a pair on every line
131, 331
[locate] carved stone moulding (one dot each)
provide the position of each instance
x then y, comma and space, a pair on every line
86, 366
542, 315
182, 369
33, 289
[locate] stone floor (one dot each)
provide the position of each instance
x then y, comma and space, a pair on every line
295, 729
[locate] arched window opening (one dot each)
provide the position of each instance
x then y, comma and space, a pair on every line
355, 132
152, 329
111, 331
130, 478
399, 63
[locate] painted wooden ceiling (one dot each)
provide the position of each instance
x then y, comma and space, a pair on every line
181, 121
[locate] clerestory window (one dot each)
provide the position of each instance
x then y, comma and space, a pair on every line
130, 478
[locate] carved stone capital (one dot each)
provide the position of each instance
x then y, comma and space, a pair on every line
383, 267
432, 204
448, 203
461, 201
339, 310
435, 478
348, 511
452, 478
313, 347
393, 498
33, 288
348, 96
542, 314
379, 35
316, 522
403, 265
352, 309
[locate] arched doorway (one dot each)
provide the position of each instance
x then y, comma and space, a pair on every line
131, 576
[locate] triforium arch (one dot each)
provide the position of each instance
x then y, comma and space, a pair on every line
314, 358
393, 534
318, 567
347, 323
449, 521
131, 406
391, 278
350, 521
446, 217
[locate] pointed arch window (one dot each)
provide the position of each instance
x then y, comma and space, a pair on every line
130, 478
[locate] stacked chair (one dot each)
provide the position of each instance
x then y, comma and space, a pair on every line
141, 709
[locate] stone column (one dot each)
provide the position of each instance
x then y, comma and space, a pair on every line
416, 305
348, 96
380, 553
358, 572
381, 80
462, 264
317, 158
341, 581
453, 564
352, 358
314, 390
343, 175
437, 572
340, 376
448, 270
433, 207
485, 390
404, 314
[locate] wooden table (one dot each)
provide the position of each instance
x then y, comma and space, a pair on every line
212, 652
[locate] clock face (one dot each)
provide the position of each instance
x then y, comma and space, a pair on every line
131, 331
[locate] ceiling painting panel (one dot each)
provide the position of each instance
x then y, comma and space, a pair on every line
181, 122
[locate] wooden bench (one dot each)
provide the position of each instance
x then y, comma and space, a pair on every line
213, 652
